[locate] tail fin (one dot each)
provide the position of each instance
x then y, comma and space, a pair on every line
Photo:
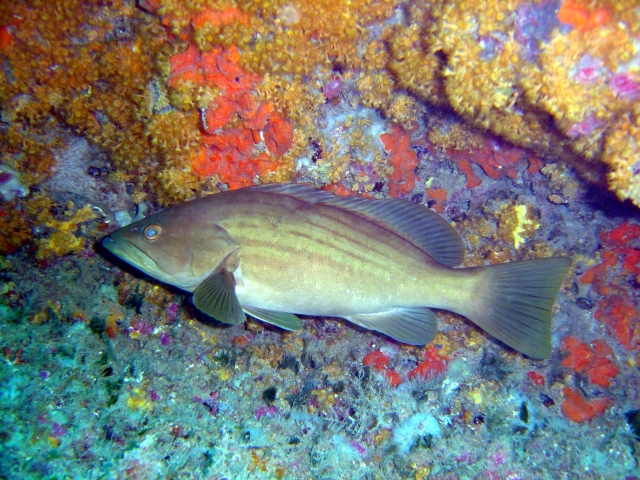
515, 300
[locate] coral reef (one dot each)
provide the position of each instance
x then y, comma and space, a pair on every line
578, 410
617, 308
63, 239
78, 66
478, 110
14, 228
558, 77
77, 170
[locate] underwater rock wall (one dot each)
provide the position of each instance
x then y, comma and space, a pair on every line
482, 111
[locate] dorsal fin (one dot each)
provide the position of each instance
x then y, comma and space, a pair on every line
415, 223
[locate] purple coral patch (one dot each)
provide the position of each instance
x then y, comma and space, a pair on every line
534, 24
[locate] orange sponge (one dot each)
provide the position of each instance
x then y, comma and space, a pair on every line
576, 408
403, 159
582, 18
597, 362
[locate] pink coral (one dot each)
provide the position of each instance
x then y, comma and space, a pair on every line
625, 86
333, 88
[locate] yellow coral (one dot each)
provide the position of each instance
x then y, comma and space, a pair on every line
175, 135
87, 63
176, 184
525, 224
63, 240
448, 53
622, 154
139, 400
516, 223
96, 67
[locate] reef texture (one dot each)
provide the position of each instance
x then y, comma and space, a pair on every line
482, 111
79, 169
189, 97
559, 78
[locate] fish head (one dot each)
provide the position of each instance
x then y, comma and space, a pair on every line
173, 247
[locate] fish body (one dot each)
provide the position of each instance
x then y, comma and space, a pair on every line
274, 251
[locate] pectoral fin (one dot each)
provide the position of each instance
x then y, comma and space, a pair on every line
414, 326
288, 321
216, 296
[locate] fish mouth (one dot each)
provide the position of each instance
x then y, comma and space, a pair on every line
125, 250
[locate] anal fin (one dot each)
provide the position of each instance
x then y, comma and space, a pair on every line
287, 321
414, 326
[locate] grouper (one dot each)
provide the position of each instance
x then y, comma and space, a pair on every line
274, 251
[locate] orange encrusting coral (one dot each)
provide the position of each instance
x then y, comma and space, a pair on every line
235, 120
111, 328
496, 160
380, 363
397, 144
619, 313
581, 17
432, 365
622, 234
6, 31
536, 378
5, 37
465, 166
219, 68
185, 67
376, 359
618, 239
339, 189
278, 135
579, 354
576, 408
216, 18
393, 377
617, 309
596, 275
438, 196
597, 361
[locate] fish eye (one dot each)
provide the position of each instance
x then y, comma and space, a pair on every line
151, 232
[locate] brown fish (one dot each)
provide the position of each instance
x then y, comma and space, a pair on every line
274, 251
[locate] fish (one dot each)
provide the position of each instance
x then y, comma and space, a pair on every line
276, 251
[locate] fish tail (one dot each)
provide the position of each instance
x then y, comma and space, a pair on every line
514, 302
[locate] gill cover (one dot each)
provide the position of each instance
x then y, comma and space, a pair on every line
174, 248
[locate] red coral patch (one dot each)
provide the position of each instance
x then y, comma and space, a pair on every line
577, 409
